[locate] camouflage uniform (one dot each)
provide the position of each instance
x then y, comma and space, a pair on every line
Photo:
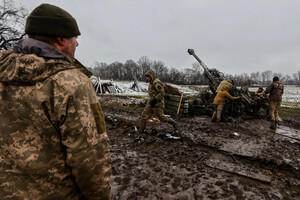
274, 110
157, 94
217, 112
225, 85
53, 140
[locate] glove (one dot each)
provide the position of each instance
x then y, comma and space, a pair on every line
152, 103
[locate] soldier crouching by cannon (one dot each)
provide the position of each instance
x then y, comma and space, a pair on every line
220, 99
262, 101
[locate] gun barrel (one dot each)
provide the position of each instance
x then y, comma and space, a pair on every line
206, 71
192, 52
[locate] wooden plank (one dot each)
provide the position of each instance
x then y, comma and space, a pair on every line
171, 106
175, 113
174, 110
175, 98
168, 111
176, 102
172, 103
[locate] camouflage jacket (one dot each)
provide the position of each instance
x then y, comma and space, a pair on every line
156, 90
225, 84
52, 130
275, 90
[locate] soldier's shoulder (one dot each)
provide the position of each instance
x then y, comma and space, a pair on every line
157, 81
72, 79
5, 52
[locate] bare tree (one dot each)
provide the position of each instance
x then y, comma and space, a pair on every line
98, 68
286, 79
297, 77
174, 76
157, 67
197, 67
144, 65
114, 70
12, 20
255, 77
266, 77
130, 70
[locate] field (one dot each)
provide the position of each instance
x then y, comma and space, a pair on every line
202, 160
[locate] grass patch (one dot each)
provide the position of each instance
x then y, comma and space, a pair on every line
291, 104
288, 111
291, 109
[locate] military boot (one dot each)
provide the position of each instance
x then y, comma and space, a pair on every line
273, 125
142, 126
173, 123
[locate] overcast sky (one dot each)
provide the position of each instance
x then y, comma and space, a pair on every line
234, 36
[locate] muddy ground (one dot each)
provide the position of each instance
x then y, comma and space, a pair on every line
204, 160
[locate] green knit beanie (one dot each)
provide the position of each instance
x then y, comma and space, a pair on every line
50, 20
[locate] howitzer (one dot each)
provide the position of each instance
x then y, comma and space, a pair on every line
235, 108
213, 83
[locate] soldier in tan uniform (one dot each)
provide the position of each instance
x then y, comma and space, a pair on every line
156, 103
219, 102
52, 131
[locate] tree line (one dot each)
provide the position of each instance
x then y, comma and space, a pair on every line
188, 76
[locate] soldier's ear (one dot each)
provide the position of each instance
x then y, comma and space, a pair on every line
60, 41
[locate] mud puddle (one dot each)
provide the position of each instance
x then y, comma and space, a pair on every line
288, 132
233, 165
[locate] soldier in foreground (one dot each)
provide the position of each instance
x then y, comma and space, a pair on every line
53, 140
219, 102
276, 91
155, 104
